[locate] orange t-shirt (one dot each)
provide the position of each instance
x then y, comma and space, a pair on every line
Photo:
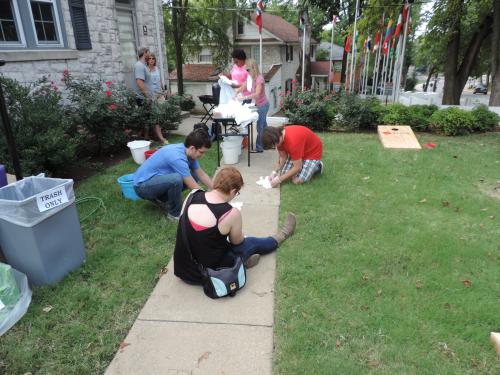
301, 143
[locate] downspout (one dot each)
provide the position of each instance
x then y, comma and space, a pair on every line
160, 53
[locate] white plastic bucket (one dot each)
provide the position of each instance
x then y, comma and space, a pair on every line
138, 148
233, 140
230, 152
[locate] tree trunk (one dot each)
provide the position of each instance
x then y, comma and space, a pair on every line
455, 80
431, 72
495, 56
434, 87
178, 29
344, 67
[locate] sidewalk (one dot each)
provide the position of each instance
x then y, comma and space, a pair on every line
181, 331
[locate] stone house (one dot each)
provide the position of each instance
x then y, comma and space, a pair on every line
95, 38
320, 69
280, 58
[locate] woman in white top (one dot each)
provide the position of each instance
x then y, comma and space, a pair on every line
156, 91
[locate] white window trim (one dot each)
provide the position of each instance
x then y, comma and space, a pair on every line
19, 28
56, 19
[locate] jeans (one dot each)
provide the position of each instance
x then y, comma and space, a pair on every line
166, 188
254, 245
261, 124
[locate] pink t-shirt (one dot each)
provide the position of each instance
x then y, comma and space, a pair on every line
261, 99
240, 74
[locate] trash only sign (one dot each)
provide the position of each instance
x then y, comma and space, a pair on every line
51, 198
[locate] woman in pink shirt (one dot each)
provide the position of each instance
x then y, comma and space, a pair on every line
238, 72
258, 94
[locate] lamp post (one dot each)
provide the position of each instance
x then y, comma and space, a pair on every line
9, 136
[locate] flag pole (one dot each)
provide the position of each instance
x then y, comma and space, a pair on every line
403, 51
354, 45
260, 54
367, 71
303, 52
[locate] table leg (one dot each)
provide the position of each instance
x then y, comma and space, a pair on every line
218, 146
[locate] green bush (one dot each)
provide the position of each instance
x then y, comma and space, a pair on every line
410, 83
185, 102
309, 108
45, 139
416, 116
167, 114
452, 121
355, 113
484, 119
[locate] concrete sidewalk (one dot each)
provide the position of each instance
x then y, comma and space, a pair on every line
181, 331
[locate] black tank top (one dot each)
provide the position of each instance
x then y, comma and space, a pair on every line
209, 246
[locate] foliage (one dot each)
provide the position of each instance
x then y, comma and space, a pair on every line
106, 112
355, 113
322, 55
45, 138
484, 119
310, 108
185, 102
103, 111
452, 121
410, 83
416, 116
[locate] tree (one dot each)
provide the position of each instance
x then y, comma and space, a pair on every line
179, 23
463, 26
495, 56
196, 24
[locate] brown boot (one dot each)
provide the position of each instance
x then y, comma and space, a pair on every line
252, 260
287, 229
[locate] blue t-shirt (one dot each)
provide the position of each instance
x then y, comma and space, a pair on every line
168, 159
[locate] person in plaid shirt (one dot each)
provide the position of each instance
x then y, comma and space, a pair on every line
300, 152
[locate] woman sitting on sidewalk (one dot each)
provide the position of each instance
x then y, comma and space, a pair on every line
212, 221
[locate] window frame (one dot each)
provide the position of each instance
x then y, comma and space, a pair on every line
205, 54
20, 30
57, 21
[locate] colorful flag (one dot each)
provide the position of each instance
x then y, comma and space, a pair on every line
368, 44
348, 41
398, 26
377, 41
406, 7
334, 21
258, 13
387, 38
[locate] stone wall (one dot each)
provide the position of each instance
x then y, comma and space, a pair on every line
102, 61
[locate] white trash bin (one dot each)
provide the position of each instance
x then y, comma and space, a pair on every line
230, 152
138, 148
233, 140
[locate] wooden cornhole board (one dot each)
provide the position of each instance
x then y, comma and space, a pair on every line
398, 136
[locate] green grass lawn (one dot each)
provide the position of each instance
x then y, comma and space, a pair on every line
395, 265
376, 279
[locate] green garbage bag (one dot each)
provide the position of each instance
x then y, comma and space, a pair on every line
9, 291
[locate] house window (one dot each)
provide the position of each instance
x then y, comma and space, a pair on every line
205, 56
45, 21
289, 53
31, 24
288, 85
8, 23
241, 27
255, 53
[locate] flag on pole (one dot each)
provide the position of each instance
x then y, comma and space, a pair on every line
334, 21
302, 21
398, 26
377, 41
258, 13
368, 44
406, 7
347, 46
387, 38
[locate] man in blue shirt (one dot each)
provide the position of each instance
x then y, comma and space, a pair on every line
162, 177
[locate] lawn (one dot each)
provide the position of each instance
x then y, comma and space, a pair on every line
393, 269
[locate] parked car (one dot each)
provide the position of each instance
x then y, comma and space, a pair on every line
481, 89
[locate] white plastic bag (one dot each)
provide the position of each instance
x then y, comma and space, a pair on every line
18, 310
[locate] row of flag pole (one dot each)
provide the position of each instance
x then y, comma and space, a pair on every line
389, 50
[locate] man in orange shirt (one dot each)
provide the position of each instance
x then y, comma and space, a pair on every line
300, 153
